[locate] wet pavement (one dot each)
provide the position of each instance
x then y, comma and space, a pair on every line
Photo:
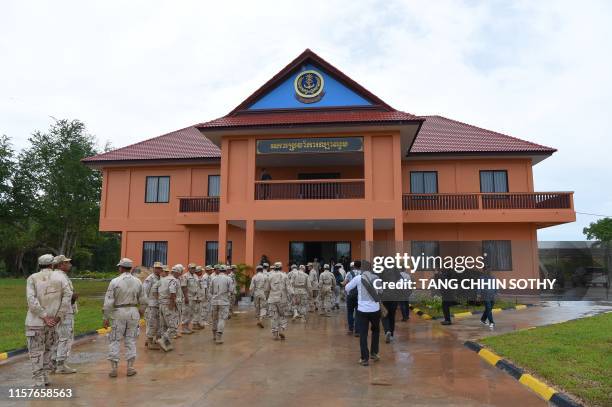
427, 365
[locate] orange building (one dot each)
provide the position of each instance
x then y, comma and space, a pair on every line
313, 165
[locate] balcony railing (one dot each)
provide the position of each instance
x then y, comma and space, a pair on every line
523, 200
310, 189
199, 204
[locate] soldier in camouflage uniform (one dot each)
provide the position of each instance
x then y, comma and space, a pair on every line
48, 295
327, 284
221, 287
206, 301
65, 328
166, 290
257, 290
189, 285
177, 272
277, 290
290, 306
302, 291
232, 275
121, 304
152, 311
313, 275
198, 299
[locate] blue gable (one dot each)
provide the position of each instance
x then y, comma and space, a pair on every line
335, 94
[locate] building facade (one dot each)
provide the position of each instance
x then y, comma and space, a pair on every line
312, 165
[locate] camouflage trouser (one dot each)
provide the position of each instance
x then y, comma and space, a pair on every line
277, 312
232, 302
260, 306
206, 311
289, 307
301, 304
325, 300
168, 321
219, 315
314, 300
65, 337
152, 317
128, 330
180, 308
41, 341
196, 312
189, 312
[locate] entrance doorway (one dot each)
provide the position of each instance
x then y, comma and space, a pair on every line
304, 252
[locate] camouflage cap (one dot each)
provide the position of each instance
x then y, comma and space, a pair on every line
45, 260
158, 265
259, 267
125, 262
293, 266
339, 265
60, 259
278, 264
208, 268
326, 266
177, 268
222, 267
302, 267
266, 265
166, 268
191, 266
199, 269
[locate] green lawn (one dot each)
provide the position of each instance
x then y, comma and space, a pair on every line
13, 308
575, 356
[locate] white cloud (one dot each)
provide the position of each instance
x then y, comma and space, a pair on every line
133, 70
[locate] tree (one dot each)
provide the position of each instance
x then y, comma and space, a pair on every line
600, 230
49, 201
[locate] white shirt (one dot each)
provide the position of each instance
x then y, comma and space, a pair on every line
365, 302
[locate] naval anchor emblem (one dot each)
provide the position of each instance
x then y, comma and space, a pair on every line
309, 86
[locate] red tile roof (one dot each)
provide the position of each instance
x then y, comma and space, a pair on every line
309, 117
437, 135
181, 144
441, 135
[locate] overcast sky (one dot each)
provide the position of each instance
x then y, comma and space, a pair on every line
131, 70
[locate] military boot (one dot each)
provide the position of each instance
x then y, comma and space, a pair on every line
152, 344
275, 336
130, 367
163, 343
260, 324
219, 338
63, 368
281, 335
113, 372
186, 330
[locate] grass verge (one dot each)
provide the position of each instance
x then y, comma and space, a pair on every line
13, 309
576, 355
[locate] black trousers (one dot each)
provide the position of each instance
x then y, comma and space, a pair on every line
351, 307
389, 321
446, 309
364, 321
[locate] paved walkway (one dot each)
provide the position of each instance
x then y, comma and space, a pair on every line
426, 365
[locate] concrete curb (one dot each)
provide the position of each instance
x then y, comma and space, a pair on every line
542, 389
101, 331
424, 315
